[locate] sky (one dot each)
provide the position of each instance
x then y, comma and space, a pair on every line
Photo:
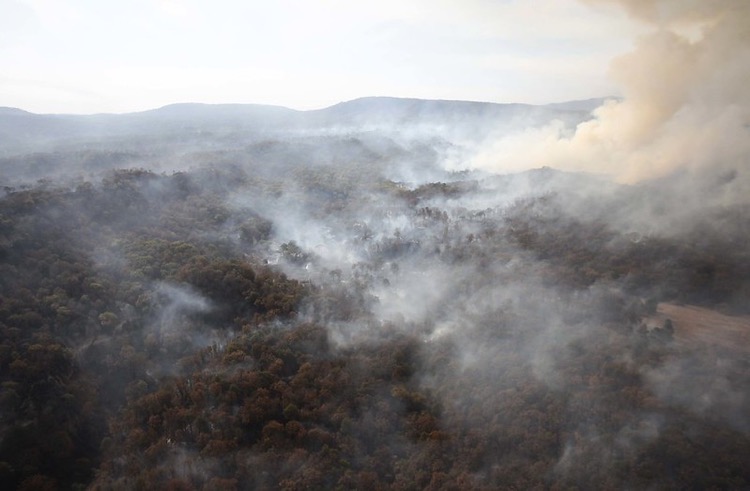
93, 56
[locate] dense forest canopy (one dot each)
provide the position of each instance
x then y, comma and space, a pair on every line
191, 299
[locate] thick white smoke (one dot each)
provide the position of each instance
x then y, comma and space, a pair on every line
685, 105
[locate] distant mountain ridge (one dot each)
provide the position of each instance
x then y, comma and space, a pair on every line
12, 111
20, 128
360, 103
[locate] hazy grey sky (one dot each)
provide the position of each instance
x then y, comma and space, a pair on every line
84, 56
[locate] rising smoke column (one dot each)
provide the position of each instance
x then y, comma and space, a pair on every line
686, 101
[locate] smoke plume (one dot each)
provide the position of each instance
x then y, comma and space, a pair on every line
685, 105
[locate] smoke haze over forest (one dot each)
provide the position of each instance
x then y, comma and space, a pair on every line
388, 292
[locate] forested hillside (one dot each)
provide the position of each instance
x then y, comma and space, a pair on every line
337, 311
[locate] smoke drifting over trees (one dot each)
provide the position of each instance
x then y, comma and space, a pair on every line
250, 297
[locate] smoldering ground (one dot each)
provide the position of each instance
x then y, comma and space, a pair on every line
520, 297
450, 266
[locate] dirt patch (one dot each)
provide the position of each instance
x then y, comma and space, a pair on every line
700, 325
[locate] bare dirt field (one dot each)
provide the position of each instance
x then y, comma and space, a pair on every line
710, 327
